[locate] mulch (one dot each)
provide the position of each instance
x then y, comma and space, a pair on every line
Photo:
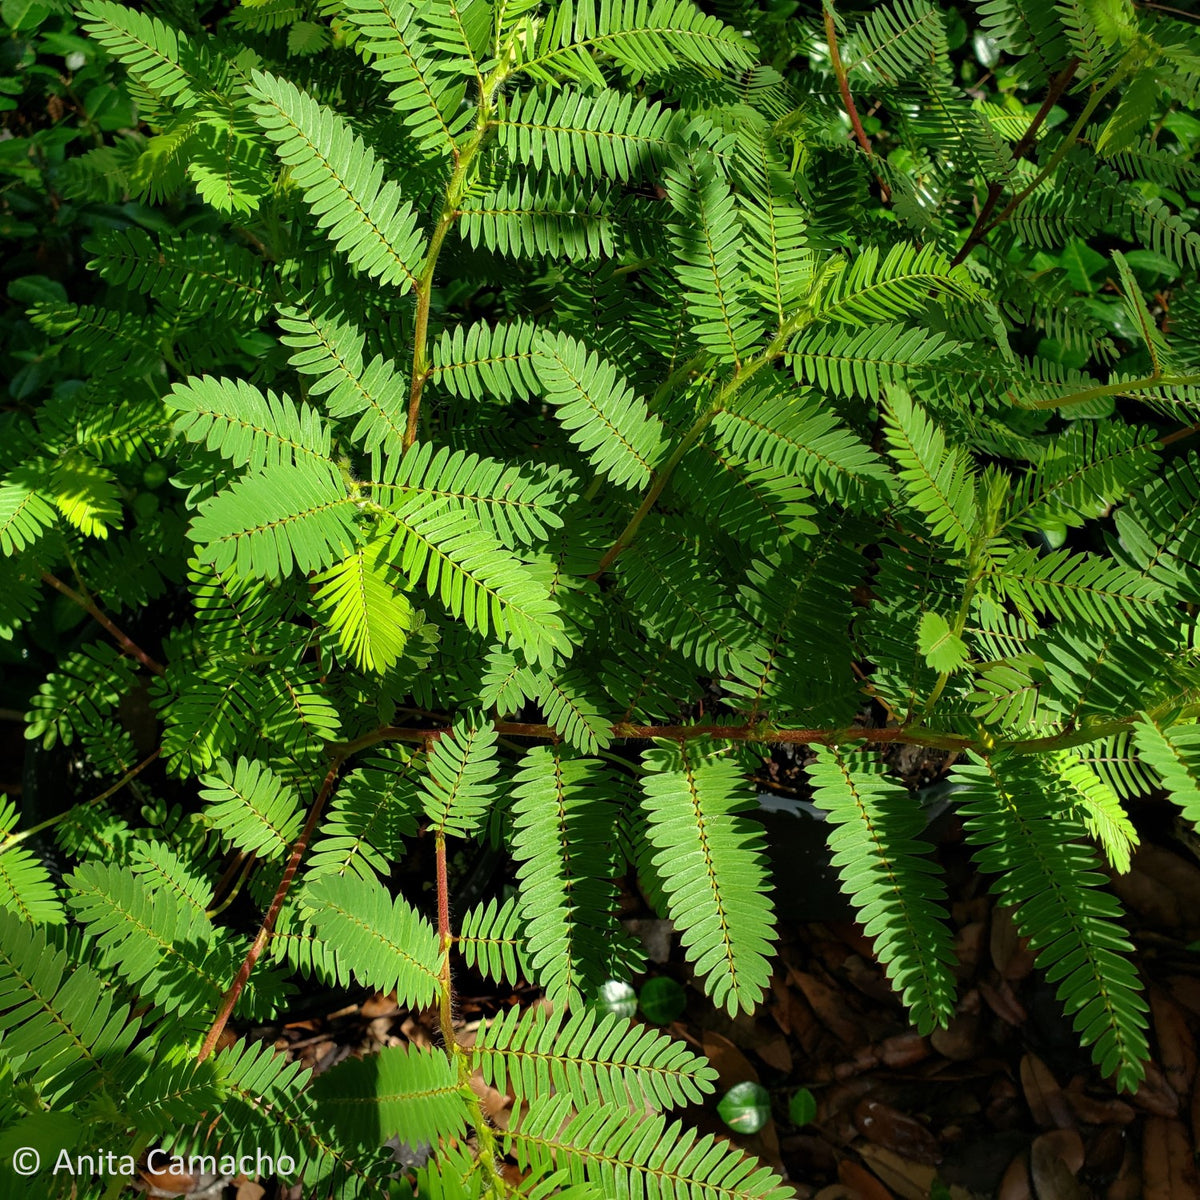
1001, 1104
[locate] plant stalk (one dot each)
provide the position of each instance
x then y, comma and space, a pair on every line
14, 839
127, 644
982, 227
446, 994
267, 927
839, 70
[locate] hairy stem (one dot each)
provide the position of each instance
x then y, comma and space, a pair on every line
265, 930
127, 644
446, 996
765, 734
839, 70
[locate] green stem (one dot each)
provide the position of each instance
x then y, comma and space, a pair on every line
662, 476
455, 189
1124, 387
974, 575
14, 839
1065, 145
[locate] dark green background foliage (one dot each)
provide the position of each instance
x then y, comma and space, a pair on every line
497, 422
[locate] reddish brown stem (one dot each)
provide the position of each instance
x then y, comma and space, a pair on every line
446, 999
678, 733
765, 735
127, 644
982, 226
265, 930
1179, 435
839, 70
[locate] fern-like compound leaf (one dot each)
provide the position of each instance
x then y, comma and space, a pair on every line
247, 427
612, 135
368, 612
708, 246
424, 91
590, 1058
342, 182
872, 289
886, 872
409, 1090
458, 791
492, 940
270, 520
649, 1157
1098, 807
710, 864
1173, 753
564, 837
26, 887
252, 807
59, 1028
1015, 817
600, 412
473, 576
371, 815
382, 940
938, 480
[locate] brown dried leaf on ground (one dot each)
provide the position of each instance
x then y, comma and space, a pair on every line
1176, 1044
1168, 1165
1017, 1183
1163, 889
1044, 1096
1156, 1095
859, 1180
1055, 1159
885, 1126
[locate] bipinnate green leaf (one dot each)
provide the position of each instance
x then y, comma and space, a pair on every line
590, 1057
599, 411
366, 608
409, 1090
342, 181
251, 806
382, 941
710, 864
886, 871
457, 790
1014, 809
938, 480
944, 650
